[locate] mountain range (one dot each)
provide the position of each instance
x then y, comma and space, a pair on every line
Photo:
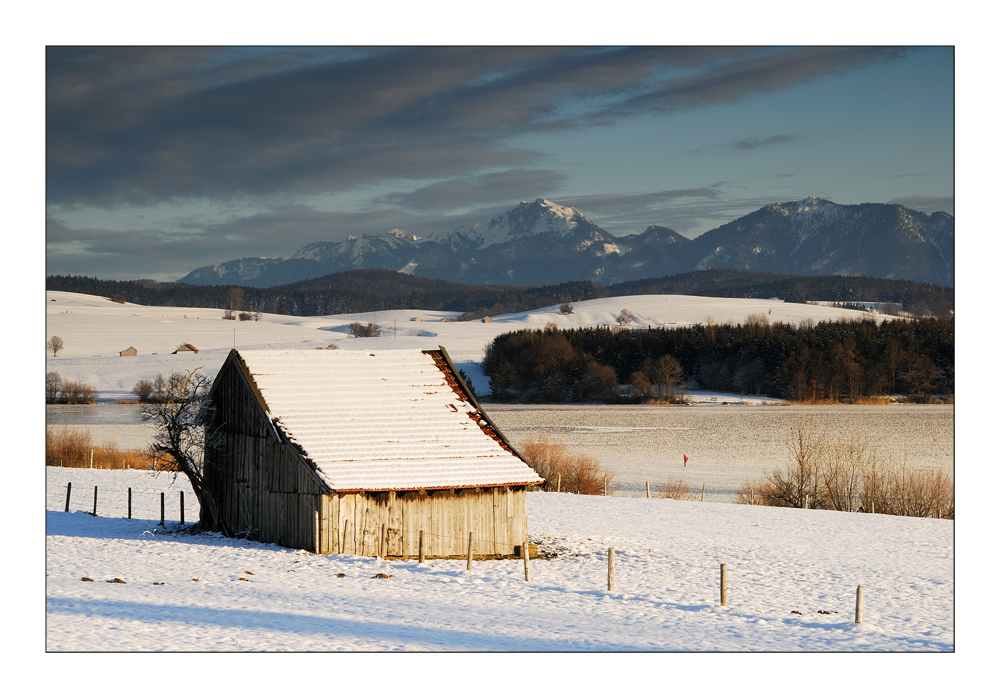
541, 242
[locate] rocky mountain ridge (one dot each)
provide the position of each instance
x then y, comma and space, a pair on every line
541, 242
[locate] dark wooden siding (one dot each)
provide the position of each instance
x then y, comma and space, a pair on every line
268, 492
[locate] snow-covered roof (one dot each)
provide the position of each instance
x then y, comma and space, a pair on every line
383, 419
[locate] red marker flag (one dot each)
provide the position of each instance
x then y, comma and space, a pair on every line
685, 461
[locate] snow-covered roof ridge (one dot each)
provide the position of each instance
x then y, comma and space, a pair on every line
391, 419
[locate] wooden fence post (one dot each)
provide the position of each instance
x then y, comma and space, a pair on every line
91, 459
343, 544
182, 507
421, 547
559, 482
95, 500
162, 509
751, 496
130, 502
703, 491
647, 489
524, 554
468, 564
805, 502
857, 607
606, 490
611, 569
69, 488
724, 597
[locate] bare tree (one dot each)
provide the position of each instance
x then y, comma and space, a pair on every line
625, 316
53, 386
666, 374
55, 345
183, 432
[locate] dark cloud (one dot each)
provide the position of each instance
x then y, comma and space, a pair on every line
139, 126
754, 143
767, 71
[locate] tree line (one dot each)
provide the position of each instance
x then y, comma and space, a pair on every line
366, 290
830, 361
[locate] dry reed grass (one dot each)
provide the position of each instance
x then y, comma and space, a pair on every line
72, 448
849, 475
565, 470
672, 489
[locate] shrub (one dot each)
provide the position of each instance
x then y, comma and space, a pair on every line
625, 316
356, 329
561, 468
328, 346
143, 390
228, 314
566, 309
244, 316
672, 489
77, 393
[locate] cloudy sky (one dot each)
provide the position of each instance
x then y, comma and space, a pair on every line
161, 160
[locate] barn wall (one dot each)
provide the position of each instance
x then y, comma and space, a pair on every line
388, 523
267, 491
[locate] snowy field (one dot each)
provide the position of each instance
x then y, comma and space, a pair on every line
95, 330
668, 553
250, 596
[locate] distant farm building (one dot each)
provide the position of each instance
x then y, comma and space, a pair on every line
356, 452
185, 347
131, 351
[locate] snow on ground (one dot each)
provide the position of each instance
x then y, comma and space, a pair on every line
95, 330
251, 596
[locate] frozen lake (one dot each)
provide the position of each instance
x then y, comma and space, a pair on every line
726, 445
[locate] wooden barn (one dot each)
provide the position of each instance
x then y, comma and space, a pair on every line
356, 451
185, 347
131, 351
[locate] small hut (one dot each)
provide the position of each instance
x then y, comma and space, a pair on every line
185, 347
131, 351
357, 452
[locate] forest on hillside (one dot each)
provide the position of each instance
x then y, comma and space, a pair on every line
838, 361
